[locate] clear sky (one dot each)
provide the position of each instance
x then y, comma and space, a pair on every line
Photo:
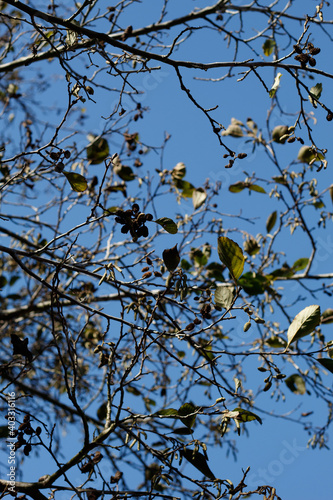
276, 450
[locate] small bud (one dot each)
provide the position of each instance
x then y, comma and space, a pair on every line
247, 326
329, 117
312, 61
146, 275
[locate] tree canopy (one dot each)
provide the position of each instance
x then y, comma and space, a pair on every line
155, 313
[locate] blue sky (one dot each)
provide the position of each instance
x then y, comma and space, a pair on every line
276, 451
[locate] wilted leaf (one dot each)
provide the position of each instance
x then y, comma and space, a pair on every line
234, 129
275, 86
296, 384
77, 181
171, 258
268, 46
271, 221
231, 255
168, 224
304, 323
251, 246
198, 197
98, 151
224, 296
198, 460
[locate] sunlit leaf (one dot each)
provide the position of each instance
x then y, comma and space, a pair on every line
271, 221
185, 187
224, 296
179, 171
304, 323
77, 181
231, 255
198, 197
237, 187
300, 264
275, 85
315, 93
168, 224
258, 189
296, 384
306, 154
327, 316
246, 416
268, 46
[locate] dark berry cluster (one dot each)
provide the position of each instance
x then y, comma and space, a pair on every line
133, 221
25, 428
305, 55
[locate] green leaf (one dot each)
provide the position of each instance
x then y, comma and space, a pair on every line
258, 189
238, 187
253, 283
77, 181
198, 460
171, 258
124, 172
296, 384
246, 416
271, 221
306, 154
187, 409
300, 264
268, 46
200, 257
98, 151
198, 197
276, 342
275, 85
315, 93
327, 363
304, 323
327, 316
224, 296
168, 412
231, 255
185, 187
168, 224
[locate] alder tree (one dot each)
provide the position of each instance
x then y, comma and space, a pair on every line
146, 327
